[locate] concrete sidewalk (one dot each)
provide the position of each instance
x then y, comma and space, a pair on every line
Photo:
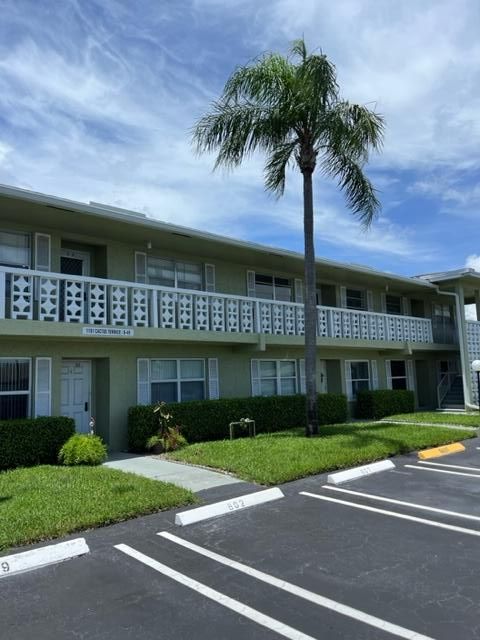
187, 476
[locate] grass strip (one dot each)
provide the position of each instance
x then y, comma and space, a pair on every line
287, 455
44, 502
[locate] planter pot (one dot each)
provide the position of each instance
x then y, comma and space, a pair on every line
157, 449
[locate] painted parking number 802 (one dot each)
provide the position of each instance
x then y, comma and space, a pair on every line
5, 567
236, 504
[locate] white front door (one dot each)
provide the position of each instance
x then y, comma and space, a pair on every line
76, 392
323, 376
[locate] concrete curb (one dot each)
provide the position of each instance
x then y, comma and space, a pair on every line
227, 506
360, 472
42, 557
437, 452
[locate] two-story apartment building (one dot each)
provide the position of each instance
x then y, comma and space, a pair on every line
102, 308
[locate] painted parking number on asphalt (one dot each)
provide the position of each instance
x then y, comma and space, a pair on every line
5, 567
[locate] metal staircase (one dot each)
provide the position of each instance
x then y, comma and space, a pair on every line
453, 397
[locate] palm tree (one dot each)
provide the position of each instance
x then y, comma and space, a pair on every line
289, 108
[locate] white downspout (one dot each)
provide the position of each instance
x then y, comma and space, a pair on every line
463, 357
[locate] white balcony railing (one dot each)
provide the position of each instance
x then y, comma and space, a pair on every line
54, 297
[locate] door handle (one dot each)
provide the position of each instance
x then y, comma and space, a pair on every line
86, 406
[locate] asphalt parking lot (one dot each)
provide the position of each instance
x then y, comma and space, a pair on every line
386, 556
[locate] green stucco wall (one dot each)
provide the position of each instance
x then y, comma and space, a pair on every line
115, 365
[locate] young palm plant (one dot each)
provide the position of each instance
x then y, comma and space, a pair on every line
290, 109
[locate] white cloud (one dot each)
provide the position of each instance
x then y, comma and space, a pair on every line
457, 195
98, 107
5, 150
418, 61
473, 262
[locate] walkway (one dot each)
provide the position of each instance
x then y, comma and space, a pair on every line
183, 475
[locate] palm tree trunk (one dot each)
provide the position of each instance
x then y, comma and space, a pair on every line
310, 307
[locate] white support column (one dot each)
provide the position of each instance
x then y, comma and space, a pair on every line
2, 294
257, 323
154, 309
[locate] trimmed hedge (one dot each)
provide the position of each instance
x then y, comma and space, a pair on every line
31, 441
209, 419
384, 402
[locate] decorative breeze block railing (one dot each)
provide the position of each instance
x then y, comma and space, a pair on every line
36, 295
473, 345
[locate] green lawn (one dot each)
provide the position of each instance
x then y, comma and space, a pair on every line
288, 455
434, 417
45, 502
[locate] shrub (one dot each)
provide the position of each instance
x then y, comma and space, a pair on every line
209, 419
172, 441
31, 441
384, 402
83, 448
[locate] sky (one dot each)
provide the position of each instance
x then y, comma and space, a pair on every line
98, 99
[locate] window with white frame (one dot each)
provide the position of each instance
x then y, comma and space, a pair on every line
15, 249
356, 299
15, 388
398, 374
177, 380
359, 376
174, 273
273, 287
277, 377
393, 304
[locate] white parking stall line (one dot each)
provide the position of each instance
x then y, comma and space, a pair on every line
452, 473
449, 466
218, 597
393, 514
413, 505
310, 596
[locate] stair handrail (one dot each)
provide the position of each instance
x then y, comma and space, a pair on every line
444, 386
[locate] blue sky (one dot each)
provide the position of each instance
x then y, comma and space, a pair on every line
97, 99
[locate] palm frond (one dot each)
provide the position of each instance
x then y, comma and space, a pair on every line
287, 110
267, 81
351, 129
359, 192
276, 166
236, 131
299, 48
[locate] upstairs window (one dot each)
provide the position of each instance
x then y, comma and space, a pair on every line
443, 313
273, 288
14, 249
393, 304
174, 273
356, 299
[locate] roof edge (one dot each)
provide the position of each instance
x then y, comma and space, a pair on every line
139, 219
